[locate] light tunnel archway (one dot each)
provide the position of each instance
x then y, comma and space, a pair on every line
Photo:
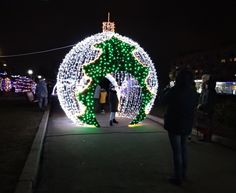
129, 93
109, 55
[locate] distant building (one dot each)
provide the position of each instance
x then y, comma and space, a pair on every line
219, 62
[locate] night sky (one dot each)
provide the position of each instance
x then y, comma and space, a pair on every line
164, 29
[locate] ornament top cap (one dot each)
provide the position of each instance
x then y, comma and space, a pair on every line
108, 26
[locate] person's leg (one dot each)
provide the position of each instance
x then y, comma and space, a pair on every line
184, 154
45, 102
96, 105
114, 119
40, 102
112, 116
175, 141
209, 130
102, 108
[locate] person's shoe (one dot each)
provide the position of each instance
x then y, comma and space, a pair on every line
115, 121
111, 123
175, 181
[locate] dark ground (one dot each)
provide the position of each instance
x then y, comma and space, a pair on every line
19, 120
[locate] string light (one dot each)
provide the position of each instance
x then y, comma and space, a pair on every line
21, 84
116, 57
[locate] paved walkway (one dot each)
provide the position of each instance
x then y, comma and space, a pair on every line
123, 159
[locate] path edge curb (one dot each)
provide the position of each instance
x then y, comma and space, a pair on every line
28, 176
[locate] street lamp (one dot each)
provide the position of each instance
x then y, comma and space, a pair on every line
30, 72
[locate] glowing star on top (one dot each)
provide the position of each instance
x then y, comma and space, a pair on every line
115, 57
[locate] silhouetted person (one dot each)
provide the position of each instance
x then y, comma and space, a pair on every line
113, 104
207, 101
181, 101
42, 94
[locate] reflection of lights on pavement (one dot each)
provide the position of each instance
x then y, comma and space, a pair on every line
136, 125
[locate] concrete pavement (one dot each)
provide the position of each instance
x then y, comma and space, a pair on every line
215, 138
29, 173
126, 159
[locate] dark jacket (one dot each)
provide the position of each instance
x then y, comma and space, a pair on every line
181, 104
113, 101
207, 99
41, 89
181, 101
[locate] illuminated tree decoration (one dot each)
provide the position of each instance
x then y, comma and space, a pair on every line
6, 84
23, 84
117, 58
1, 83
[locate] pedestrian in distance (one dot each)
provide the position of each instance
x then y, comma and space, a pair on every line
96, 98
102, 100
42, 94
181, 101
113, 104
205, 109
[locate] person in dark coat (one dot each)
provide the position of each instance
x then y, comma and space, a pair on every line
113, 104
207, 101
181, 101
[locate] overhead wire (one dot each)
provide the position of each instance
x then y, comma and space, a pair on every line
37, 52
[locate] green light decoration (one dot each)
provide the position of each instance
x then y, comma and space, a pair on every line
115, 56
119, 59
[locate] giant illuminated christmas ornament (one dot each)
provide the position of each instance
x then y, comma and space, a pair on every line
115, 57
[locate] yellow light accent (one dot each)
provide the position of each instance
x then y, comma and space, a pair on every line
135, 125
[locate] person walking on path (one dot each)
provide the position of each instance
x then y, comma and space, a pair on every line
42, 94
113, 104
181, 101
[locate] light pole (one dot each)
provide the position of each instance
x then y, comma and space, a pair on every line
30, 93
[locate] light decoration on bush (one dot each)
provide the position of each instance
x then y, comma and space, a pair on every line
115, 57
6, 84
20, 84
1, 83
23, 84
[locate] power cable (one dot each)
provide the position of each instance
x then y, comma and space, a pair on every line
38, 52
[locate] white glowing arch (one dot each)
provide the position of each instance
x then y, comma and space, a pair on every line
71, 79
